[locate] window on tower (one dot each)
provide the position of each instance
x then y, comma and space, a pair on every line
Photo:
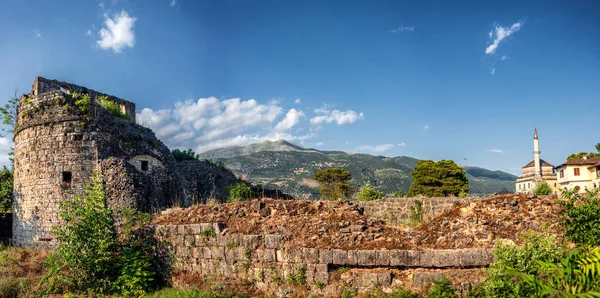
576, 171
562, 173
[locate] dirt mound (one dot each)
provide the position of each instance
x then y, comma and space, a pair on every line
343, 225
478, 224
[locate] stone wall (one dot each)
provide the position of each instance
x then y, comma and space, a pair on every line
396, 211
204, 249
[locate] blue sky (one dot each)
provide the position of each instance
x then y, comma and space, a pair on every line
435, 80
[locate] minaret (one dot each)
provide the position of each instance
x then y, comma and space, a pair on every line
536, 155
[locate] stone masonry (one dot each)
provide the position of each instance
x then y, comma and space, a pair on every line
204, 250
60, 141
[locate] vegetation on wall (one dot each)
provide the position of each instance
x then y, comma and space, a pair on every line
110, 106
181, 155
438, 179
334, 183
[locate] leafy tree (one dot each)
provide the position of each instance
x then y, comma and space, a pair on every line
582, 155
435, 179
8, 115
6, 189
180, 155
543, 189
581, 216
334, 183
241, 191
369, 193
598, 147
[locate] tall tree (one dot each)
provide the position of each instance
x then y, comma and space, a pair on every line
334, 183
442, 178
598, 147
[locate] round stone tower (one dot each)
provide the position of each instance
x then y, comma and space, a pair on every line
55, 154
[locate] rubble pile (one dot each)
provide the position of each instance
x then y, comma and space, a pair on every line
343, 225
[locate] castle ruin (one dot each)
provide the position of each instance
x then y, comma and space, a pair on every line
65, 132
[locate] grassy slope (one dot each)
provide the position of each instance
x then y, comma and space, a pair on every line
275, 169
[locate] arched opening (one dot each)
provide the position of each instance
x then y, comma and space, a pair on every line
65, 89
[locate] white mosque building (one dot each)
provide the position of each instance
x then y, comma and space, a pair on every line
536, 171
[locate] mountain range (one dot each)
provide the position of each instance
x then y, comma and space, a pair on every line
288, 167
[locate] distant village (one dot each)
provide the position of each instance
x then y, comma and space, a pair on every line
576, 174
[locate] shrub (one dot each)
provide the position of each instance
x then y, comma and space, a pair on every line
416, 213
582, 216
575, 275
180, 155
442, 288
110, 106
6, 189
369, 193
536, 247
91, 257
241, 191
398, 194
542, 189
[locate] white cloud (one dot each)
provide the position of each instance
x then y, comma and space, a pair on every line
319, 144
335, 116
498, 151
292, 118
493, 71
403, 28
210, 123
173, 2
89, 32
403, 144
504, 57
5, 148
298, 101
425, 127
500, 33
381, 148
118, 32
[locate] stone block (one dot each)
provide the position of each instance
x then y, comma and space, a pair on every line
217, 253
352, 259
266, 255
383, 258
367, 257
207, 252
195, 229
311, 255
250, 241
273, 241
446, 258
426, 258
322, 277
475, 257
222, 240
340, 257
281, 256
325, 256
